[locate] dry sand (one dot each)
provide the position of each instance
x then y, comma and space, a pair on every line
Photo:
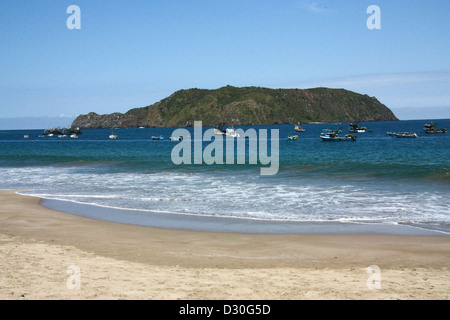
46, 254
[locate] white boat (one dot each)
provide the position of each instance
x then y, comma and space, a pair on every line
406, 135
228, 132
299, 128
403, 134
176, 138
231, 132
113, 136
26, 136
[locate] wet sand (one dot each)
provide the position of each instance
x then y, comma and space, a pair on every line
48, 254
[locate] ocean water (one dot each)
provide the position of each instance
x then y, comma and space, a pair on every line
376, 180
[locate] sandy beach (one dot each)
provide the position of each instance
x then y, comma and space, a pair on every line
46, 254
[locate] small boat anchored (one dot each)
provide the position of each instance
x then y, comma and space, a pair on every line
334, 137
431, 128
219, 130
292, 138
403, 134
176, 138
227, 132
299, 128
232, 133
113, 136
157, 138
353, 127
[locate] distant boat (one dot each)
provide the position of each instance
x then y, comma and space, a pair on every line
113, 136
299, 128
407, 135
431, 128
76, 131
334, 137
176, 138
293, 137
157, 138
403, 134
74, 136
231, 132
26, 136
354, 128
228, 132
63, 131
219, 130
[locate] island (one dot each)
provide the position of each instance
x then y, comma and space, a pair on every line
245, 106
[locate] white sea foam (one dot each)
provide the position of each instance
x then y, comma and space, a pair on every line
242, 196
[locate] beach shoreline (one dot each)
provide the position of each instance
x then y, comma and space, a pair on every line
228, 224
119, 261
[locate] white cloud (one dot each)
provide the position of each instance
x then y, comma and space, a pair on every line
318, 7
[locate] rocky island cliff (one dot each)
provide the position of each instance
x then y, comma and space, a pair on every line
246, 106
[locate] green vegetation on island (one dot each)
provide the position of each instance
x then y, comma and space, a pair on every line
246, 106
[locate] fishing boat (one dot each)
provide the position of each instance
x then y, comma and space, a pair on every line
293, 137
353, 127
334, 137
231, 133
299, 128
176, 138
406, 135
431, 128
219, 130
157, 138
402, 134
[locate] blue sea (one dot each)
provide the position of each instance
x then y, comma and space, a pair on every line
378, 180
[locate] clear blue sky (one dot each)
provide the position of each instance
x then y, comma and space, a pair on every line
134, 53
